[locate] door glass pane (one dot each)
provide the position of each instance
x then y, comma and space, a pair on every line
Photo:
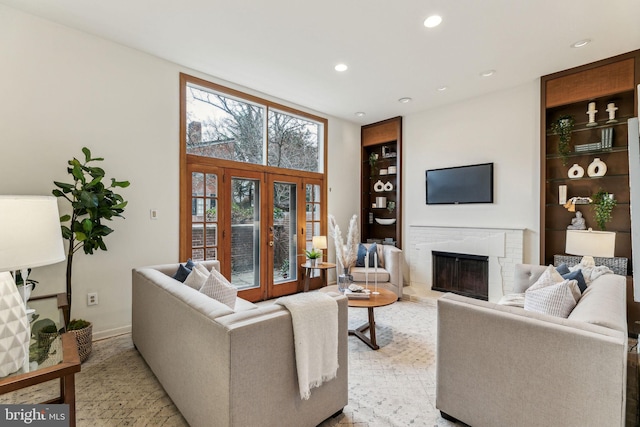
312, 215
285, 246
245, 233
204, 216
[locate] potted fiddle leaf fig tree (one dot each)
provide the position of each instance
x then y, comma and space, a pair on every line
92, 202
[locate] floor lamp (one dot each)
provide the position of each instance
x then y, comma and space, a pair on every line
30, 236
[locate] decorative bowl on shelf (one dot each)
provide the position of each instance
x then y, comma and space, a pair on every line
385, 221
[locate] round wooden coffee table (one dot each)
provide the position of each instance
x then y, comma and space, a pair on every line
385, 297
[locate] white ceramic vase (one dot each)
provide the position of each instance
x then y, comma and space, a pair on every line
597, 168
576, 171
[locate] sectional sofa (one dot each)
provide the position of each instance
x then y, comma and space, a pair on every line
224, 367
504, 366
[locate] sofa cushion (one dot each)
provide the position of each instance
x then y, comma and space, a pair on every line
196, 279
556, 299
362, 253
359, 275
577, 276
181, 273
563, 269
218, 287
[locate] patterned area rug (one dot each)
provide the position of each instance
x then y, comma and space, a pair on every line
393, 386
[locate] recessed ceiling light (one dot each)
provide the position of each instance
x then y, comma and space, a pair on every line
442, 88
488, 73
341, 67
404, 100
360, 114
433, 21
581, 43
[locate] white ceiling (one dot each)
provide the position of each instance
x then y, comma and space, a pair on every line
288, 48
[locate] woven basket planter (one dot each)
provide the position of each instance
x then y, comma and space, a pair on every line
84, 339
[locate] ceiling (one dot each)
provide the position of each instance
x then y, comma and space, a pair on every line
288, 48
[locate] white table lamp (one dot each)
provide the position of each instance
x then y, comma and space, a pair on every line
319, 242
589, 243
30, 237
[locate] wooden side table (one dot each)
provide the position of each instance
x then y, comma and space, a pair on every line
323, 267
64, 369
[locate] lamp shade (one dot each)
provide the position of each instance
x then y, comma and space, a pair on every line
591, 243
30, 233
320, 242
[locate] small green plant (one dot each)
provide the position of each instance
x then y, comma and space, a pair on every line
76, 324
313, 254
284, 268
563, 127
603, 204
373, 162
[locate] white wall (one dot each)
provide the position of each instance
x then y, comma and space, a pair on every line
502, 128
60, 90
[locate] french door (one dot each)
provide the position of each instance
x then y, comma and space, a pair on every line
257, 224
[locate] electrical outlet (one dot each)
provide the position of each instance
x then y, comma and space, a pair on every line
92, 298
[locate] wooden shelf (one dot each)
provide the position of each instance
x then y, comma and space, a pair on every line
387, 134
569, 93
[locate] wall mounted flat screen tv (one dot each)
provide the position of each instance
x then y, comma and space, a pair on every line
462, 184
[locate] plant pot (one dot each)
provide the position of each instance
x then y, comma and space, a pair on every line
84, 339
44, 342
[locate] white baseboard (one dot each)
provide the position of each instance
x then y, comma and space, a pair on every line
111, 333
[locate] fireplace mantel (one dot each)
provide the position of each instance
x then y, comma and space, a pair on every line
503, 246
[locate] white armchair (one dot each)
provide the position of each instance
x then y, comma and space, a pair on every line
389, 273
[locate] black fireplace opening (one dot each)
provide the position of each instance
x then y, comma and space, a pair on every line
462, 274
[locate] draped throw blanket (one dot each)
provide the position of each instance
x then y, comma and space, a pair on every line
315, 333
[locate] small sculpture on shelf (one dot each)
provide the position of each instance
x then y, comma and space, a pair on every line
591, 112
577, 223
611, 109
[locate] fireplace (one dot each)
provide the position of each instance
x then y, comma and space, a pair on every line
503, 246
463, 274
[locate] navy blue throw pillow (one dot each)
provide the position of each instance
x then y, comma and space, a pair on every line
182, 273
362, 252
563, 269
190, 264
577, 275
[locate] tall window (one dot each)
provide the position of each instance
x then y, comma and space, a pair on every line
253, 186
225, 127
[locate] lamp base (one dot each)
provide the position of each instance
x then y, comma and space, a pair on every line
14, 329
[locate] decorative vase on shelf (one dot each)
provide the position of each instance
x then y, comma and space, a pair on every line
576, 171
344, 280
597, 168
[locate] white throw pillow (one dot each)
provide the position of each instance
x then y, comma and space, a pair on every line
202, 269
196, 278
219, 288
556, 299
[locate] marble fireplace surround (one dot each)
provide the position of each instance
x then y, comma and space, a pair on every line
503, 246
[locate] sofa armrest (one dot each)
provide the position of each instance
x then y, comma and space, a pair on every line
393, 264
501, 365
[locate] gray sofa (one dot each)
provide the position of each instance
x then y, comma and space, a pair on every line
224, 367
505, 366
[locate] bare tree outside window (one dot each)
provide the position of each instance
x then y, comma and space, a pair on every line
222, 127
293, 142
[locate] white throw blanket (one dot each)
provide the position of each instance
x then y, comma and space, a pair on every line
590, 271
315, 333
